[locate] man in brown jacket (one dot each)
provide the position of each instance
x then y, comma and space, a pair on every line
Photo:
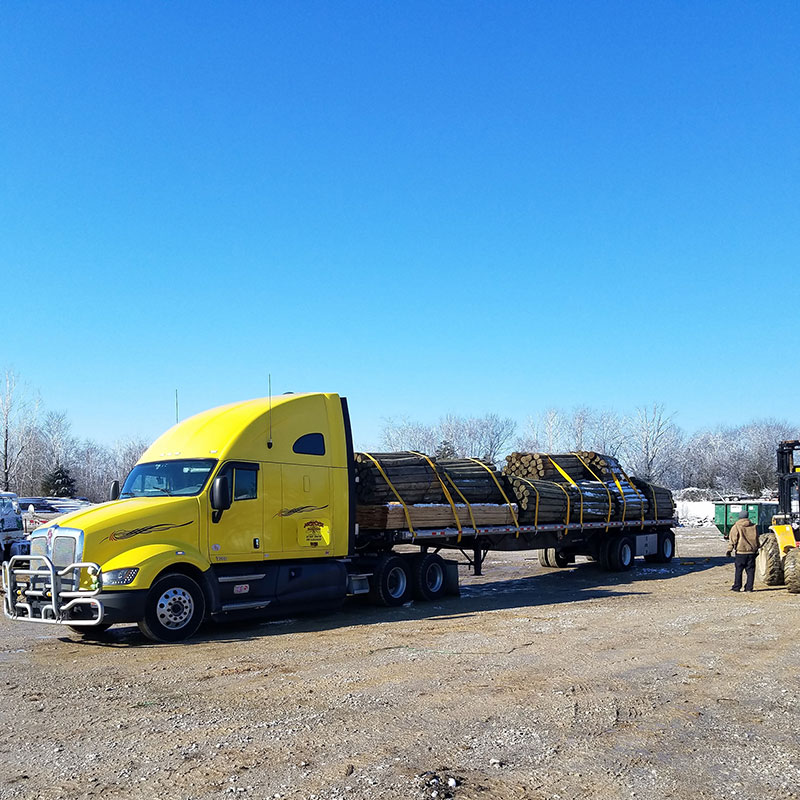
744, 545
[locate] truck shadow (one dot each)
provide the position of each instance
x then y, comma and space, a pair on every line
581, 582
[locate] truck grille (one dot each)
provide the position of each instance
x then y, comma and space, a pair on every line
62, 546
63, 551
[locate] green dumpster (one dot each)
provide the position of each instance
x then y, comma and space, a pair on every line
760, 513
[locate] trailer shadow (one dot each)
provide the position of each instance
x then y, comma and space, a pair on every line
579, 583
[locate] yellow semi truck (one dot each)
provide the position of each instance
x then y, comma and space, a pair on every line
250, 508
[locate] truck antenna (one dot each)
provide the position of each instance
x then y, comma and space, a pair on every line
269, 440
176, 406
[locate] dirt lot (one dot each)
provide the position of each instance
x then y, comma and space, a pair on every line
657, 683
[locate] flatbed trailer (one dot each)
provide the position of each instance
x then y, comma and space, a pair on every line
251, 509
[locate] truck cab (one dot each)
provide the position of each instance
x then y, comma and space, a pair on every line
236, 509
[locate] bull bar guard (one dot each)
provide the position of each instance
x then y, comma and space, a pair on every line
48, 593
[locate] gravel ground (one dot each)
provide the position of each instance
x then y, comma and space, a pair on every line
562, 684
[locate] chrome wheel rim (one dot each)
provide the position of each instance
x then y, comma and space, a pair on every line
434, 578
667, 548
396, 582
625, 554
175, 608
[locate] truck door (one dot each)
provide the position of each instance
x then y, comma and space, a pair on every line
250, 529
306, 510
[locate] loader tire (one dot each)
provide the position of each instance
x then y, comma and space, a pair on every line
769, 564
791, 570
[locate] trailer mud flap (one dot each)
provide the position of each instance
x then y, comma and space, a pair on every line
647, 544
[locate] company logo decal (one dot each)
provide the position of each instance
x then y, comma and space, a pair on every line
117, 536
288, 512
313, 529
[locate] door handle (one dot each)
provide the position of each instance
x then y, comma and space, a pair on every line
256, 543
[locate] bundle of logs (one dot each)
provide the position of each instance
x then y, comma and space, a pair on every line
420, 479
539, 488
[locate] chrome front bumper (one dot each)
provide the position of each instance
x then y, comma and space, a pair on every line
46, 593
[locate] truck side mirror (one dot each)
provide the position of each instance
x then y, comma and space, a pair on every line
113, 493
220, 496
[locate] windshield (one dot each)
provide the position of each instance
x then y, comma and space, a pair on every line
173, 478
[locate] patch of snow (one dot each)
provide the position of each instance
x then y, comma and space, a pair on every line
695, 513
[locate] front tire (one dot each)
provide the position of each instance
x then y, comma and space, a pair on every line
174, 609
791, 570
769, 564
390, 584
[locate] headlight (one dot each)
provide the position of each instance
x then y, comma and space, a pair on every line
120, 577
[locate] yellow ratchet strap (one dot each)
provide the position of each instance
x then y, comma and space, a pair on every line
497, 482
622, 495
580, 493
396, 494
466, 503
630, 483
533, 486
566, 494
444, 490
608, 491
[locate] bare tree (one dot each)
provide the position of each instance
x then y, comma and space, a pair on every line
654, 440
16, 428
408, 435
475, 437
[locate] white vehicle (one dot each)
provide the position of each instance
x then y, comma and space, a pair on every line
11, 529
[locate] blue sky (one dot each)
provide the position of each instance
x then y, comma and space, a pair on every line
429, 207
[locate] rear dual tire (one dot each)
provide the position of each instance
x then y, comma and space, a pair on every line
552, 558
396, 579
617, 553
666, 549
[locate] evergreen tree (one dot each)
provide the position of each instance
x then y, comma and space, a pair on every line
58, 483
445, 450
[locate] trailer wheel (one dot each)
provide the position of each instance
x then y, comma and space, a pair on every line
769, 564
428, 577
666, 549
621, 553
553, 558
791, 570
604, 553
390, 584
174, 609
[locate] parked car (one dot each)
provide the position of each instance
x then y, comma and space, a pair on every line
40, 505
11, 527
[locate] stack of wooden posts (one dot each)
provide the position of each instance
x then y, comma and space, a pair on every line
660, 504
419, 480
412, 477
542, 466
549, 502
586, 486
